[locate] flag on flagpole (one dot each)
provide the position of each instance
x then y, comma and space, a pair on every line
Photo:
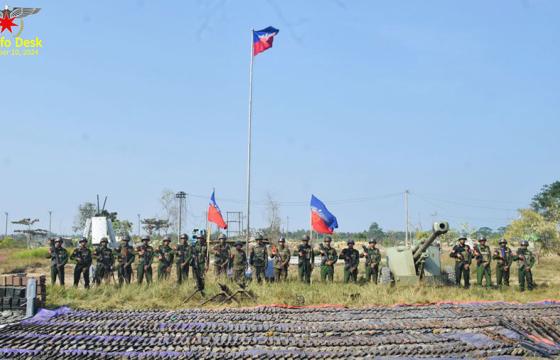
214, 213
262, 39
322, 220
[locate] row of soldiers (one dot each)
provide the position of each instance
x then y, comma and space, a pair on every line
484, 256
195, 256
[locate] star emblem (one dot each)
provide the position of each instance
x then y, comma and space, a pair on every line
6, 23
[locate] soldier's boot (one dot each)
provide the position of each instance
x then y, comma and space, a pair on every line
86, 277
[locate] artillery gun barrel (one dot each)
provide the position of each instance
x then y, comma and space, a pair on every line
439, 228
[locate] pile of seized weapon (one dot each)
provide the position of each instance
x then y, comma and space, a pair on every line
467, 330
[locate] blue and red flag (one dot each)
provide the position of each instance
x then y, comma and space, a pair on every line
262, 39
214, 213
322, 220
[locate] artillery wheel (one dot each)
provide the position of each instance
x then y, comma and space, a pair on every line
450, 271
386, 278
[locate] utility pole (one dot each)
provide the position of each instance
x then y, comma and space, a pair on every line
138, 226
181, 195
406, 217
287, 225
50, 222
6, 229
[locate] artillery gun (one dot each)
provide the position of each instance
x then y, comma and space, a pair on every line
409, 265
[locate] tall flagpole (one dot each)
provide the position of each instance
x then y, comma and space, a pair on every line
249, 146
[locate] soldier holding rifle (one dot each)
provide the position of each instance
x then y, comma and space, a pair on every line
59, 258
306, 258
328, 259
483, 257
183, 256
83, 258
463, 258
373, 258
504, 259
239, 263
165, 257
222, 254
351, 258
125, 258
258, 258
145, 259
105, 262
281, 256
525, 261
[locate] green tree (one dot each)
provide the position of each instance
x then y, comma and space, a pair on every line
375, 232
547, 202
85, 211
485, 231
532, 225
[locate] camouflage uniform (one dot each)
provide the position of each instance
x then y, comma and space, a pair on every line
328, 259
281, 261
373, 258
83, 258
59, 258
525, 261
183, 256
306, 257
504, 257
201, 251
351, 258
165, 256
483, 259
222, 254
258, 258
105, 262
239, 262
463, 258
125, 258
145, 259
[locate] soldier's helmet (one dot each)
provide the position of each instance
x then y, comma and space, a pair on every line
328, 239
83, 240
482, 238
502, 241
58, 240
104, 240
184, 237
259, 238
462, 238
126, 238
146, 238
350, 242
238, 244
524, 243
282, 239
305, 237
222, 237
167, 239
372, 241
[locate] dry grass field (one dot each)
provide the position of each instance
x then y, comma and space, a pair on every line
167, 295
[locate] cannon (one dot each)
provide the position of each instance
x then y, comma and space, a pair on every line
408, 265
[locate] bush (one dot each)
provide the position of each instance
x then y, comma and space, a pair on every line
10, 243
37, 253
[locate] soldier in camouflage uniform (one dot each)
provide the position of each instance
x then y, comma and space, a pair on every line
183, 256
125, 241
105, 262
165, 257
239, 263
145, 259
504, 259
525, 261
328, 259
201, 251
483, 256
82, 255
222, 254
125, 258
351, 258
373, 258
306, 258
258, 258
463, 258
281, 257
59, 258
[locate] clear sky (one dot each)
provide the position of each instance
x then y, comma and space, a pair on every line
356, 102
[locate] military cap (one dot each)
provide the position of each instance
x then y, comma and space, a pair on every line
282, 239
524, 243
167, 239
259, 237
184, 236
462, 238
104, 240
239, 243
372, 241
328, 239
305, 237
83, 240
58, 240
502, 241
482, 238
146, 238
126, 237
222, 237
350, 242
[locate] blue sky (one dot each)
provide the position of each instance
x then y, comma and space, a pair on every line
356, 102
